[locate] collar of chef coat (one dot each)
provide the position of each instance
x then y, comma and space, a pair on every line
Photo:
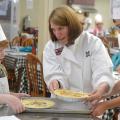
68, 53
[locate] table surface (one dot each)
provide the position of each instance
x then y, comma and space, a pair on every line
78, 111
5, 111
36, 116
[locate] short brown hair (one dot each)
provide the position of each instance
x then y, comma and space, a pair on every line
65, 16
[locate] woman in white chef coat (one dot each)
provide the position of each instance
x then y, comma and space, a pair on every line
74, 59
11, 99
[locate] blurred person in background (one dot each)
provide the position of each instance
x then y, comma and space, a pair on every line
100, 32
117, 24
115, 30
99, 26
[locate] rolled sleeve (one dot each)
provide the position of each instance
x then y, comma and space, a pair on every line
61, 79
51, 67
104, 79
101, 66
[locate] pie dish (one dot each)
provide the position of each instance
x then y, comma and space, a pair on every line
70, 95
37, 103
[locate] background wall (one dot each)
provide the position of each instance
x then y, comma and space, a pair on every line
33, 13
56, 3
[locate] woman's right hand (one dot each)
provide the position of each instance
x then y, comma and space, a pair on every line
53, 85
13, 102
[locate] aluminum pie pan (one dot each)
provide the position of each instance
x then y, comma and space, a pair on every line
69, 98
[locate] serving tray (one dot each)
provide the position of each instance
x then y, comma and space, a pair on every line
61, 107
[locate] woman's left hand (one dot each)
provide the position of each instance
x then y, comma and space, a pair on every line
94, 97
98, 94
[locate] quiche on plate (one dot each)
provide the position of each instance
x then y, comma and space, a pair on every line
37, 103
70, 94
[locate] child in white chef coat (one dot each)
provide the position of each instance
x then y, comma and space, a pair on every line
11, 99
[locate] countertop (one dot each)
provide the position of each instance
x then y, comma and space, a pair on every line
58, 112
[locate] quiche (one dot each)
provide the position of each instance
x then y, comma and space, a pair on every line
70, 93
37, 103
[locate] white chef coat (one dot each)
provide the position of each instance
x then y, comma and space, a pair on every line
82, 66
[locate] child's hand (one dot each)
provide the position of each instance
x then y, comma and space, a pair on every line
13, 102
98, 109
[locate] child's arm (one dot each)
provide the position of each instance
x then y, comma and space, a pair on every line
13, 102
101, 107
116, 88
